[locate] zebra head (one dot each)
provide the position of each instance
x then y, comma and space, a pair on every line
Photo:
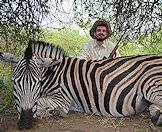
27, 76
27, 86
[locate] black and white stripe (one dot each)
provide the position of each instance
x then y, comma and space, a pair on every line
110, 87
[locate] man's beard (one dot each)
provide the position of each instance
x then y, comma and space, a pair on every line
100, 39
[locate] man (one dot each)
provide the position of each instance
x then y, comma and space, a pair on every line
99, 47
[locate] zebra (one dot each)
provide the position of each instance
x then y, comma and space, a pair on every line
47, 81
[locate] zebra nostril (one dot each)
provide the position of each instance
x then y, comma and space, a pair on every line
25, 124
26, 120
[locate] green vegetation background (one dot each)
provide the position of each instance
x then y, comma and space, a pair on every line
72, 42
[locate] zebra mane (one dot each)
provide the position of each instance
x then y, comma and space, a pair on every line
28, 53
46, 50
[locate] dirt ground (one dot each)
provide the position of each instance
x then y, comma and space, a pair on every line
77, 122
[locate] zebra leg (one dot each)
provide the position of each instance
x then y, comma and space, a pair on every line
152, 91
49, 107
156, 114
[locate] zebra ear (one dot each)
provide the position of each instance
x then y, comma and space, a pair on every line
46, 62
9, 58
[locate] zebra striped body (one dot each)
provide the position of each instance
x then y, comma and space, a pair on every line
120, 87
47, 81
108, 87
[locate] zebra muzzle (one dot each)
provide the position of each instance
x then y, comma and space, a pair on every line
26, 120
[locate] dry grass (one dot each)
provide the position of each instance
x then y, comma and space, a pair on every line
77, 122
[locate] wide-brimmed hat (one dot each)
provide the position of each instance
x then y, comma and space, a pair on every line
100, 22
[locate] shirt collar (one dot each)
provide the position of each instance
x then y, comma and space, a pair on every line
103, 45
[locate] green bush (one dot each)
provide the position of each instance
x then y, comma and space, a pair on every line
151, 44
6, 91
69, 40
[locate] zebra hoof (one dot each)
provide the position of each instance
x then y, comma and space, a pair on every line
156, 118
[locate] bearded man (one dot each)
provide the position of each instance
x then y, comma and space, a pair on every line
99, 47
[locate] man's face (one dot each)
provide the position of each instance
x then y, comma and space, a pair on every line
101, 33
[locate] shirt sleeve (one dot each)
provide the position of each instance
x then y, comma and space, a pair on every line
84, 53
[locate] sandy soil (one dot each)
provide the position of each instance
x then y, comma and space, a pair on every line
77, 122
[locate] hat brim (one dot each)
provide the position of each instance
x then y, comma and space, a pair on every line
92, 30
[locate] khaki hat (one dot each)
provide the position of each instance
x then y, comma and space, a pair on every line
100, 22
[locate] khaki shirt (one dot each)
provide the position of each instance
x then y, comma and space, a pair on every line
92, 51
